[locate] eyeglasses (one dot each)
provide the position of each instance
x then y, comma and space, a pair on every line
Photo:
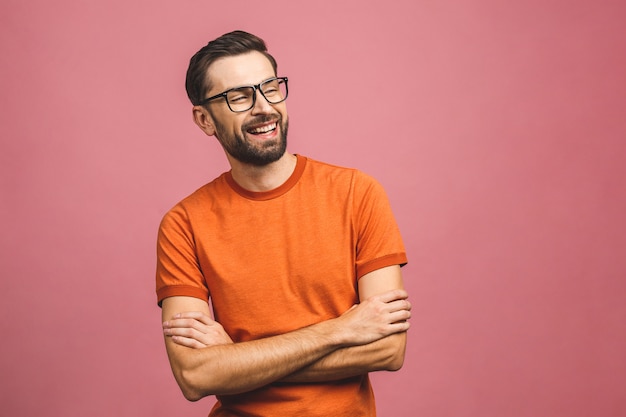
240, 99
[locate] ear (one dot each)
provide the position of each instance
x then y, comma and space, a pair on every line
203, 119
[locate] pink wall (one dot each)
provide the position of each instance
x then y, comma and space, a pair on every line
497, 128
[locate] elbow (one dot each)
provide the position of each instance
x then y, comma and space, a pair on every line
191, 395
197, 382
395, 363
189, 386
395, 353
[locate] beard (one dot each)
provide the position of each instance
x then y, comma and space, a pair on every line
244, 151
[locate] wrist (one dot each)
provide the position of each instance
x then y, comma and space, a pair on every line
332, 333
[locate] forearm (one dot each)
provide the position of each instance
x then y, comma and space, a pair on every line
205, 361
240, 367
382, 355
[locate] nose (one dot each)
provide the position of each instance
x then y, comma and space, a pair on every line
261, 105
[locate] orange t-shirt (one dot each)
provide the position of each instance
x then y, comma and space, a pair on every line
276, 261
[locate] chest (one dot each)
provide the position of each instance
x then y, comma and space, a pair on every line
275, 266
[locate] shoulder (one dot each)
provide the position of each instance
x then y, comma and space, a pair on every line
333, 172
352, 183
200, 200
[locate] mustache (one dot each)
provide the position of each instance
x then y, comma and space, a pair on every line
264, 118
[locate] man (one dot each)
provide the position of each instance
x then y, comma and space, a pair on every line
300, 259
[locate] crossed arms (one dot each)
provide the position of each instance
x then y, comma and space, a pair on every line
371, 336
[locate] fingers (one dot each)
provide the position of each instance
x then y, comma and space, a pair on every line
399, 316
399, 312
393, 295
186, 328
193, 319
399, 327
396, 314
388, 303
392, 301
394, 309
195, 329
377, 317
183, 329
195, 315
399, 305
188, 342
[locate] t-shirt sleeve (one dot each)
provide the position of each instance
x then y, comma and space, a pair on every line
178, 271
379, 243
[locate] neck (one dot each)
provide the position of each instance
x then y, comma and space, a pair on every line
263, 178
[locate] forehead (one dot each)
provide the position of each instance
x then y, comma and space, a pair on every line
238, 70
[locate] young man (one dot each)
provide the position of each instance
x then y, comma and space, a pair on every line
301, 259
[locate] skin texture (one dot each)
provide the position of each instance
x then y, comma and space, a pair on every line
370, 336
230, 128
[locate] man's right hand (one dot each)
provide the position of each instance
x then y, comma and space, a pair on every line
373, 319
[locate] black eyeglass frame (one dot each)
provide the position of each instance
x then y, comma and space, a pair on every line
256, 88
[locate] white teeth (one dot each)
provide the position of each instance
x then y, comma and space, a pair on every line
264, 129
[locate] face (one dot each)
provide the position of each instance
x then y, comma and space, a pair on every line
257, 136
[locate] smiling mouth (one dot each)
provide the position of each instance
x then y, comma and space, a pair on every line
263, 129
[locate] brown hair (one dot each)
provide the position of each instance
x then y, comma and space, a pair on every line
229, 44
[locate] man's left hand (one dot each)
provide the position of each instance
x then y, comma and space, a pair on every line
196, 330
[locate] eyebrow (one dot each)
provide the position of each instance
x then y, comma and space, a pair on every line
249, 85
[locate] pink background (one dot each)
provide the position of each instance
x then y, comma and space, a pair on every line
496, 127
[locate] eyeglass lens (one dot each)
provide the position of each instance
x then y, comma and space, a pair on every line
242, 99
